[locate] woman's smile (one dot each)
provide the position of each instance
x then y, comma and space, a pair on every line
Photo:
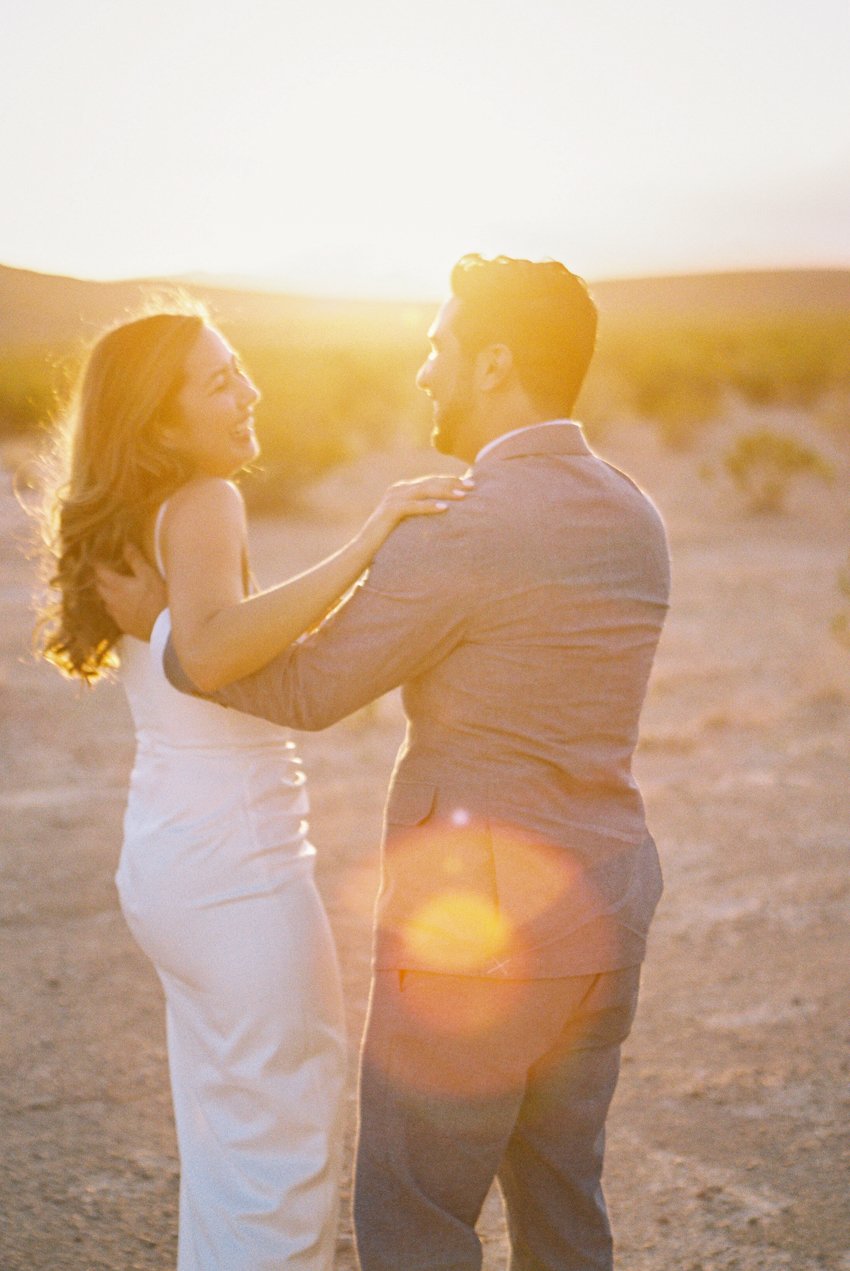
244, 430
216, 408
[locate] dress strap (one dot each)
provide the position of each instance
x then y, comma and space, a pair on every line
157, 532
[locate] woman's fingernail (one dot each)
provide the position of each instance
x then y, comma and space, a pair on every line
441, 507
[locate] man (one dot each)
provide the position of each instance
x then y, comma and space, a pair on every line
518, 877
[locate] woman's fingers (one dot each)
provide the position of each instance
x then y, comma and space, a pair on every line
135, 558
435, 488
432, 496
423, 496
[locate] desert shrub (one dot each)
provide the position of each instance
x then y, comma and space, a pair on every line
323, 404
677, 403
793, 360
763, 464
675, 373
841, 621
327, 396
660, 373
338, 383
833, 410
32, 383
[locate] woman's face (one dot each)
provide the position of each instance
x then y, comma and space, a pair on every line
215, 409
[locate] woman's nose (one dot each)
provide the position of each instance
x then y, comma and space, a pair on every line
250, 391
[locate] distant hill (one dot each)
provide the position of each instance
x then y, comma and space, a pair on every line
48, 309
745, 292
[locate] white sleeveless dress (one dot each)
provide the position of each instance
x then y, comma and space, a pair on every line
216, 884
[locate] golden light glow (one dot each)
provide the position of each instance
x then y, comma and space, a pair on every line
472, 895
468, 907
457, 931
461, 1007
354, 150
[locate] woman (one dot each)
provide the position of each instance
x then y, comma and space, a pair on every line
216, 872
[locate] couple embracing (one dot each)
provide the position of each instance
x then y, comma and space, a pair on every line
519, 610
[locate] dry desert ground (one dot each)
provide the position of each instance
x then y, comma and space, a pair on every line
728, 1146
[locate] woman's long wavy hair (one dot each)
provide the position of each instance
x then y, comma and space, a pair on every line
111, 471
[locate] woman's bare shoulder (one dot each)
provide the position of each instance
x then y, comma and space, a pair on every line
207, 497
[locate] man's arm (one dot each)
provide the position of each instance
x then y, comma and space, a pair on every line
403, 619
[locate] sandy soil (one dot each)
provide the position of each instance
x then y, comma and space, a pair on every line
728, 1146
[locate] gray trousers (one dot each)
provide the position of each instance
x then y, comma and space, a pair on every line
464, 1080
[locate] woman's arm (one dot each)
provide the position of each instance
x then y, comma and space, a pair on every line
221, 635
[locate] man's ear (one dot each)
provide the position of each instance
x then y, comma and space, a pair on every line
494, 366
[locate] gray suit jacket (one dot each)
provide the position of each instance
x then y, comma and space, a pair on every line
522, 626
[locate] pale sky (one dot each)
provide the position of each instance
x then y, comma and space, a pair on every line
360, 146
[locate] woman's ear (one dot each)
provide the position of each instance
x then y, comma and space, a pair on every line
168, 436
495, 363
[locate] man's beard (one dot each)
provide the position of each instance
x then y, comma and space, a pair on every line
450, 422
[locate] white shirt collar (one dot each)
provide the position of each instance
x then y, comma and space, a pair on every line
497, 441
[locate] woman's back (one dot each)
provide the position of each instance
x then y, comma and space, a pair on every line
205, 775
165, 717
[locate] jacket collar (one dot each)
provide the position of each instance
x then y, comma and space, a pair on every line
562, 438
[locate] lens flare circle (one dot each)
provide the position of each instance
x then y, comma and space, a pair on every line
456, 931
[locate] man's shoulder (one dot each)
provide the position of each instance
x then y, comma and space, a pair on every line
626, 490
433, 550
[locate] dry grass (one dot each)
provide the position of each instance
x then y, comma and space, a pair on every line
727, 1148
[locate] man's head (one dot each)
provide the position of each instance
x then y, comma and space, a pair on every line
510, 348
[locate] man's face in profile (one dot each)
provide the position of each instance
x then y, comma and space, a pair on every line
446, 376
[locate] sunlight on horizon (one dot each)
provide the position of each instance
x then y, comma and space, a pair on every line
361, 152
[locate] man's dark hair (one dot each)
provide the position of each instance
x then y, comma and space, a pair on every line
543, 313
